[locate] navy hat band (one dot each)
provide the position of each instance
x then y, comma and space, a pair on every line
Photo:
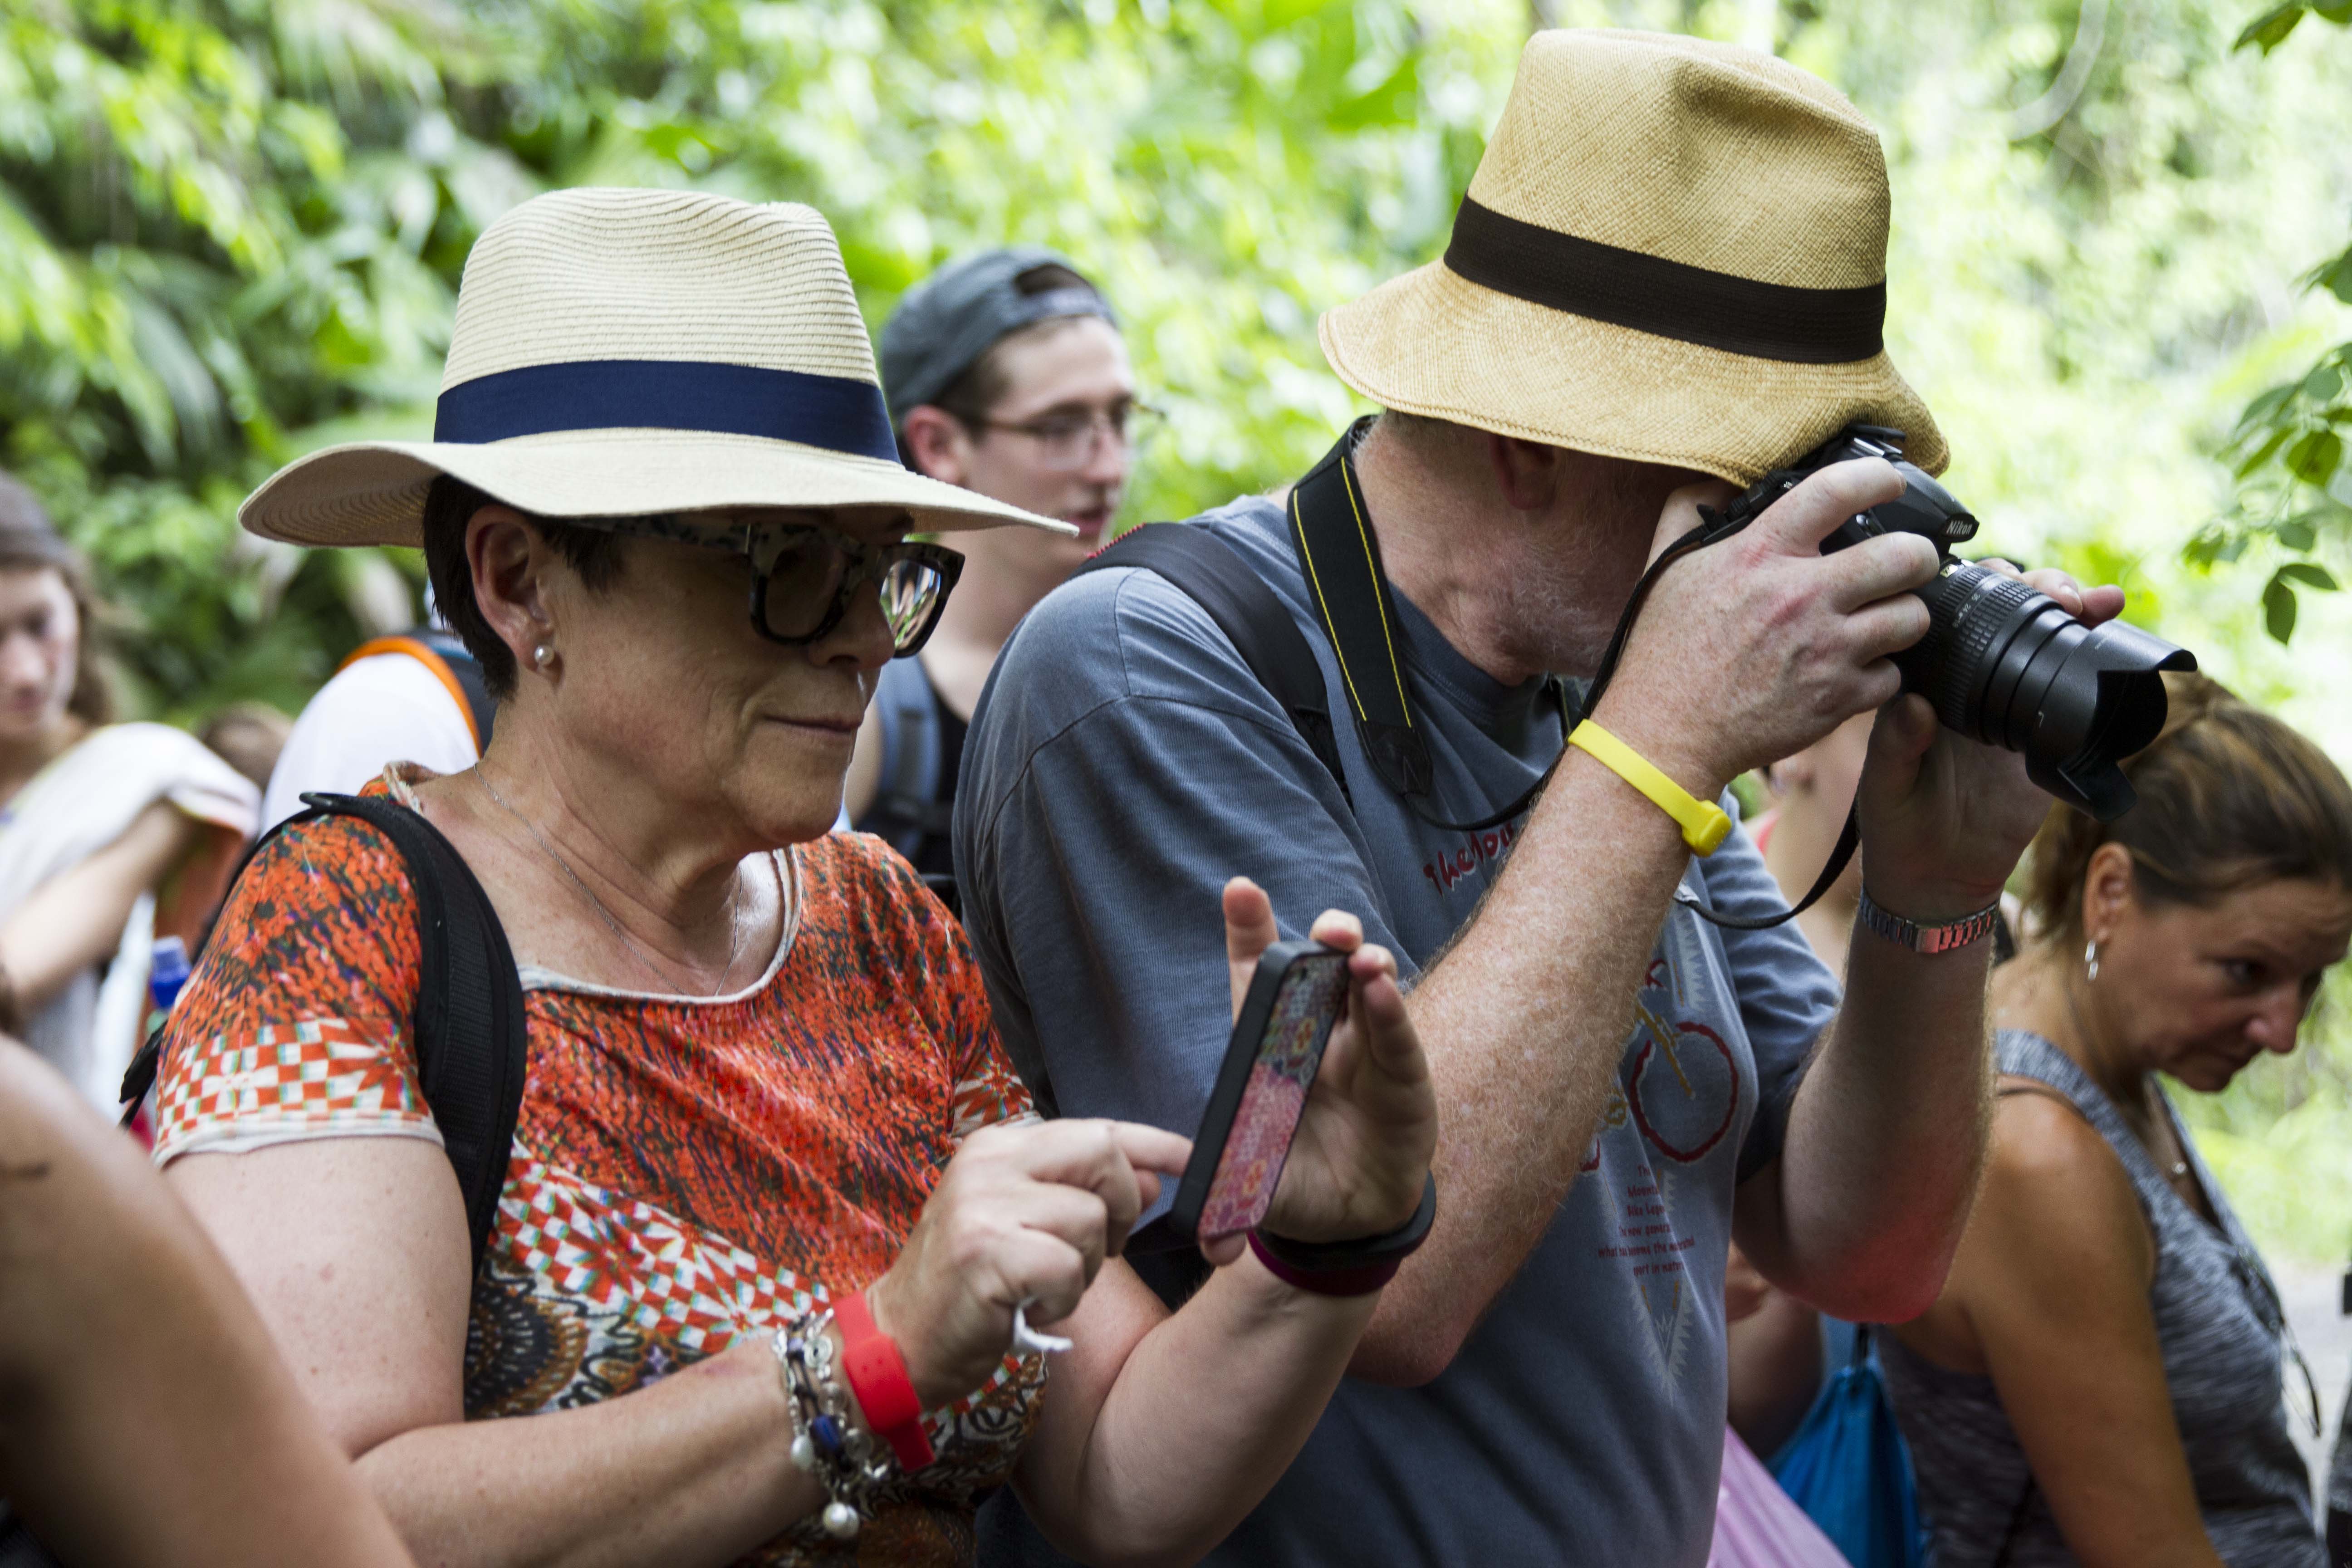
838, 413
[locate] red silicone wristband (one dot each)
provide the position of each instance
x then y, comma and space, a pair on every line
878, 1382
1328, 1281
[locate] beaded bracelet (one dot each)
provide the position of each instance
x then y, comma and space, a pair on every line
827, 1443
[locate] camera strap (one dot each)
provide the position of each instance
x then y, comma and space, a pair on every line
1340, 555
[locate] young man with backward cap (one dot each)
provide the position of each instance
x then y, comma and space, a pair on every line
1005, 375
1667, 279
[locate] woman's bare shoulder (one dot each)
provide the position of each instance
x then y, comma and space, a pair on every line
2055, 1198
2037, 1131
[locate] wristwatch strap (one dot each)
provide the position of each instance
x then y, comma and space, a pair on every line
1353, 1267
876, 1375
1927, 938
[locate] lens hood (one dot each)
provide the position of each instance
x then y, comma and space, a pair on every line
2101, 700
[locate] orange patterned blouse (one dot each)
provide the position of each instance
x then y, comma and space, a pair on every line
684, 1172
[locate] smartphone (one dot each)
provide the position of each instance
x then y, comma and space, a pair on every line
1270, 1063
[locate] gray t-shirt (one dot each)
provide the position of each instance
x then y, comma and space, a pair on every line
1124, 764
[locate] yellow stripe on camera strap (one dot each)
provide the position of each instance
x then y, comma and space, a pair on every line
1340, 556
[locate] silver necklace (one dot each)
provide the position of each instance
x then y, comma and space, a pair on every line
734, 902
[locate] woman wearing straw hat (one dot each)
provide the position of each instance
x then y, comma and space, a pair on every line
776, 1217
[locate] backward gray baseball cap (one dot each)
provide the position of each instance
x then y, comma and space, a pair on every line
948, 321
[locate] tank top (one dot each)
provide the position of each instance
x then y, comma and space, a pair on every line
2218, 1320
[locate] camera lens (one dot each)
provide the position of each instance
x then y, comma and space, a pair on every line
2003, 664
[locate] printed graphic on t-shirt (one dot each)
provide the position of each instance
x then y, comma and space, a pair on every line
1662, 1278
1676, 1104
1476, 852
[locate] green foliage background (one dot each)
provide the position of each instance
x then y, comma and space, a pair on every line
231, 231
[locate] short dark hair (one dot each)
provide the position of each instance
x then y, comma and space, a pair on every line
449, 506
972, 396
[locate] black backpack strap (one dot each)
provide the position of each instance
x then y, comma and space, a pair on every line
471, 1051
1209, 571
470, 1025
905, 808
18, 1547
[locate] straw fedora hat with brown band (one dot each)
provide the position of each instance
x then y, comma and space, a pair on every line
1673, 251
618, 353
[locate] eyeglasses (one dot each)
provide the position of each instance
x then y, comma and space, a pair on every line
1070, 440
805, 577
2271, 1312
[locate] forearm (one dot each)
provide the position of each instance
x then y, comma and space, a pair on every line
76, 918
126, 1332
1525, 1020
1200, 1418
695, 1469
1865, 1206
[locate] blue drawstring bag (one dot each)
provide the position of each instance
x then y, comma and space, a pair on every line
1848, 1468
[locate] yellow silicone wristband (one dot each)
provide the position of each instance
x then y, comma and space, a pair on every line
1705, 825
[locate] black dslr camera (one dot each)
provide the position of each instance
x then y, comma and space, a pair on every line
2002, 663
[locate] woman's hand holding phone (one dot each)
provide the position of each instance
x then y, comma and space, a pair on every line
1362, 1151
1025, 1212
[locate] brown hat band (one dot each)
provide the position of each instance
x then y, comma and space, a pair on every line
1666, 299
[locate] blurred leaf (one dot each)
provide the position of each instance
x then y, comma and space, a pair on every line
2313, 459
2278, 608
2309, 576
2269, 30
2335, 276
2268, 403
2262, 454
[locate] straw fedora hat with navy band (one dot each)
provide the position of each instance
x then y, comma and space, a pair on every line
1673, 251
620, 352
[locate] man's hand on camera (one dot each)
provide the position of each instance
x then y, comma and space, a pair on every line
1944, 819
1751, 649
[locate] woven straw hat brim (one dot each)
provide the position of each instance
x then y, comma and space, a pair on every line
1434, 343
373, 492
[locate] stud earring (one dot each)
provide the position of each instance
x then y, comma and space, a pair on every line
2091, 959
543, 656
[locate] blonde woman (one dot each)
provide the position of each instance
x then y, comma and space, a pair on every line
2099, 1382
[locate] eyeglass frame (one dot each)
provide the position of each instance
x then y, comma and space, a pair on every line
1100, 422
865, 563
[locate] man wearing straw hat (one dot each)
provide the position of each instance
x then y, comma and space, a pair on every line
1668, 278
